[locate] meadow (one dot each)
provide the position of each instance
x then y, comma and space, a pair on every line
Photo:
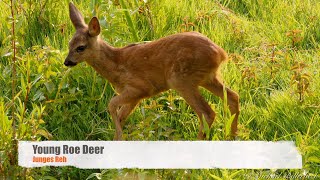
274, 52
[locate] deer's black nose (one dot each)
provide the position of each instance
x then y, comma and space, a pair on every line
69, 63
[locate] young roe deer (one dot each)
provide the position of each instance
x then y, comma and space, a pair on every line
182, 62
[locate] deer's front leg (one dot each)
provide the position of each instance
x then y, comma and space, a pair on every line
121, 106
113, 110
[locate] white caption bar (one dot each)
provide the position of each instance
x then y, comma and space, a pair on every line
161, 154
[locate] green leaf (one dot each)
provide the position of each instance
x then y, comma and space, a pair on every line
228, 125
313, 159
49, 178
215, 177
44, 133
233, 175
38, 96
312, 148
206, 128
7, 54
50, 87
23, 86
38, 77
97, 175
72, 90
40, 68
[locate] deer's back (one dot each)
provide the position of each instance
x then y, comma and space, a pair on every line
180, 55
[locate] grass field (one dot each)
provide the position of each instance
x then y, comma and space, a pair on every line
273, 48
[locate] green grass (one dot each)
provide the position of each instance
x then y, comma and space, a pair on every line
57, 103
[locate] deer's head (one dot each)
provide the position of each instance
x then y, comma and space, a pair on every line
84, 42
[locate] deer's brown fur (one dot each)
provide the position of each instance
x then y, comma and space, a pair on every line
182, 62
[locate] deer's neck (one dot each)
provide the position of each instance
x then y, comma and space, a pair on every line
105, 61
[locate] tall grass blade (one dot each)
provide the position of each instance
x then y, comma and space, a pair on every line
129, 21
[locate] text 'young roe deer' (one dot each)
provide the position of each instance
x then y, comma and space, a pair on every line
182, 62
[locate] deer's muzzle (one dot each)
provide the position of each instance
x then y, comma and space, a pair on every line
69, 63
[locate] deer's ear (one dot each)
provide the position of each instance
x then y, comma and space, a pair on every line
76, 17
94, 27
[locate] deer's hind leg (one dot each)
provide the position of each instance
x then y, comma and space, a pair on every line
216, 87
193, 97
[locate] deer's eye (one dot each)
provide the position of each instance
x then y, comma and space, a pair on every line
81, 48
